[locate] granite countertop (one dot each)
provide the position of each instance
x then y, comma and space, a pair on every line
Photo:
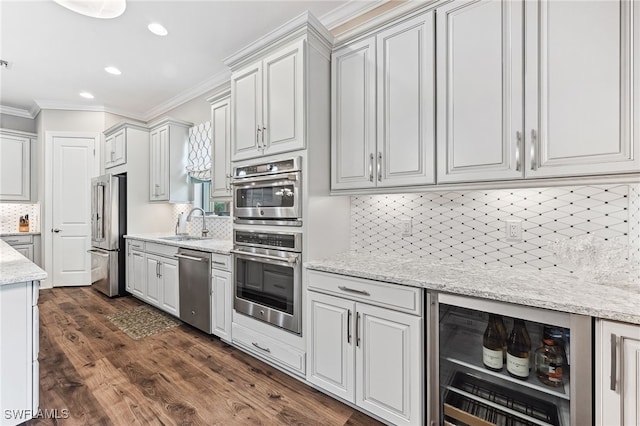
15, 268
16, 233
210, 244
618, 301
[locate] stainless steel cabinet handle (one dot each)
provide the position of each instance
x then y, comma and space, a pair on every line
56, 230
11, 241
371, 167
379, 167
352, 290
358, 329
264, 130
258, 130
534, 163
518, 143
349, 326
159, 270
218, 263
614, 361
196, 259
260, 347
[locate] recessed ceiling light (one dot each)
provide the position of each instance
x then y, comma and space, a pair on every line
104, 9
86, 95
113, 70
157, 29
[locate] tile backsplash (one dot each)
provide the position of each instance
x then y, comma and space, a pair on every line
219, 226
471, 225
10, 214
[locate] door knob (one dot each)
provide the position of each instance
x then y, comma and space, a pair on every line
56, 230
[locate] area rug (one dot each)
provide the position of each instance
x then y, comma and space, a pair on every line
142, 321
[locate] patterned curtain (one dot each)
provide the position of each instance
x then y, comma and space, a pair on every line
199, 160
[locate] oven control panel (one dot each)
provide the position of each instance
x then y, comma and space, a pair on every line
282, 240
282, 166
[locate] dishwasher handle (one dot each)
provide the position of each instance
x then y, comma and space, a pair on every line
196, 259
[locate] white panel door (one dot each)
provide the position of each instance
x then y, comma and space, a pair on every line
246, 112
222, 289
582, 91
139, 275
353, 115
480, 90
389, 372
15, 168
406, 103
73, 166
220, 144
154, 286
169, 290
159, 164
330, 344
283, 100
617, 374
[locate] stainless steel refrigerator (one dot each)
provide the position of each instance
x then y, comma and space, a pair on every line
108, 227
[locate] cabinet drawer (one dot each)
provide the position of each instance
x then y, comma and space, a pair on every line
135, 245
161, 249
18, 239
392, 296
221, 261
270, 349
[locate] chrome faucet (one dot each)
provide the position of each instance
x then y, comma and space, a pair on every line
205, 231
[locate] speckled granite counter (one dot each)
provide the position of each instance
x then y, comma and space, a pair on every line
15, 268
16, 233
210, 245
617, 301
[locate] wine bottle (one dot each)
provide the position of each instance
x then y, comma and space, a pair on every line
494, 343
549, 362
518, 349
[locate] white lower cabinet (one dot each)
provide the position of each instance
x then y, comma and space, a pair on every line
221, 296
368, 355
23, 244
617, 373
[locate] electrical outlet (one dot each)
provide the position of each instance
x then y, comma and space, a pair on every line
405, 225
513, 230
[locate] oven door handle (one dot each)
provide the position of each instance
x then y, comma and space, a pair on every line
289, 259
267, 178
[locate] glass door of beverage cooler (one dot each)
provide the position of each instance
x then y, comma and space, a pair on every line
473, 392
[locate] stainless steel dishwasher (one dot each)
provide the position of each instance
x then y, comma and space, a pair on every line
194, 272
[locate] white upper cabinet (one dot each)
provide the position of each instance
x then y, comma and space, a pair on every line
221, 146
582, 88
480, 87
383, 108
570, 112
115, 151
168, 145
15, 165
267, 100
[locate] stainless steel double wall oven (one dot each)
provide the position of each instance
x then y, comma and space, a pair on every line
268, 242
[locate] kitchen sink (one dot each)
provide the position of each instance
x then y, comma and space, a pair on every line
184, 238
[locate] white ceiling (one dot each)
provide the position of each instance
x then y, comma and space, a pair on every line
54, 53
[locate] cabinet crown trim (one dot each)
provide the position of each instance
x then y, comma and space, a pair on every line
20, 133
303, 24
221, 92
169, 120
125, 124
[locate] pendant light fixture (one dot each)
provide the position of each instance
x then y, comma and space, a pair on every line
103, 9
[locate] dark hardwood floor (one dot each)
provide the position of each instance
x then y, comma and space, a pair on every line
101, 376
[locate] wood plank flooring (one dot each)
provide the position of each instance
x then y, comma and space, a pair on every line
180, 376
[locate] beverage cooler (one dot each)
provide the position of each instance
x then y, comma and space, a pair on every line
506, 364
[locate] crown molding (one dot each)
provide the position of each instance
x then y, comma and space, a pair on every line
220, 92
189, 94
16, 112
342, 14
69, 106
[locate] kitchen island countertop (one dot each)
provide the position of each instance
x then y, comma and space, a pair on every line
618, 300
211, 245
15, 268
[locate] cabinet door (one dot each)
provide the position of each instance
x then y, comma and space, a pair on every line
389, 374
353, 115
159, 164
582, 90
139, 283
222, 289
129, 273
283, 100
406, 103
330, 344
220, 144
153, 293
246, 113
618, 374
109, 151
115, 149
169, 291
15, 168
25, 250
480, 90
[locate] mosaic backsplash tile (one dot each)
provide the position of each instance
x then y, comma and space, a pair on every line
471, 225
220, 227
10, 215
